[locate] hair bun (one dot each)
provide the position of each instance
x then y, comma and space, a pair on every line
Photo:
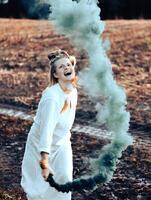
53, 54
57, 53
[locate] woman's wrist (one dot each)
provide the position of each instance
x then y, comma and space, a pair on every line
44, 163
44, 155
44, 160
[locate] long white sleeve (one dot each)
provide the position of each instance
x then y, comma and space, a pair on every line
48, 119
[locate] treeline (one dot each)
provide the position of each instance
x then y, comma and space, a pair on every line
127, 9
110, 9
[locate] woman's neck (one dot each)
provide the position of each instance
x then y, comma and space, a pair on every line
67, 86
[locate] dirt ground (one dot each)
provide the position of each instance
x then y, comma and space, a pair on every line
24, 45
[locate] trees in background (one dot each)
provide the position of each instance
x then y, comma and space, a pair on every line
10, 8
110, 9
127, 9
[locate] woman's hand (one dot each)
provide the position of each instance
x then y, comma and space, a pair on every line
44, 164
46, 172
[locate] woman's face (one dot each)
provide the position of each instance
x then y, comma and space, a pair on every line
65, 71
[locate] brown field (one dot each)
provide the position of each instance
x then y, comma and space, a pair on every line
24, 45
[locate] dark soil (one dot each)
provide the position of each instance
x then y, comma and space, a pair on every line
24, 45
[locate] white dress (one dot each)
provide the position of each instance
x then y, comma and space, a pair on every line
50, 132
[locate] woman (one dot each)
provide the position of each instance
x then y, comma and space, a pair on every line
48, 147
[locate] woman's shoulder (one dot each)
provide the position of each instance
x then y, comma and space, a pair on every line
50, 92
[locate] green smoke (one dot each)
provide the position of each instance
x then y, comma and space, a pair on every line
80, 21
36, 9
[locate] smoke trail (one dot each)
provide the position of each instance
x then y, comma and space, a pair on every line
80, 21
37, 9
3, 1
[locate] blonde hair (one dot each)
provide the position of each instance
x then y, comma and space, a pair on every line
54, 56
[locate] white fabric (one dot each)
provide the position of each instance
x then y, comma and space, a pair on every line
50, 132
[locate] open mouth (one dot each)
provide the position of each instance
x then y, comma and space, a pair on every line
68, 73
